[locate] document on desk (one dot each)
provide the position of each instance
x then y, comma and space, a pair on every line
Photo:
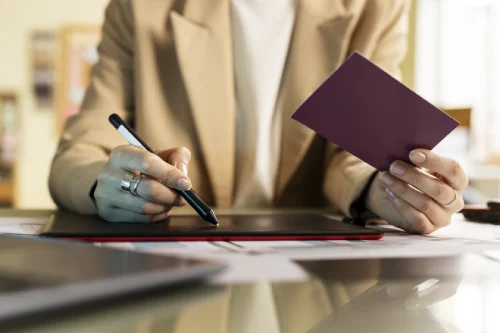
458, 238
242, 267
22, 225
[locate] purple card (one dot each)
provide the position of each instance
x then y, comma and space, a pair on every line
365, 111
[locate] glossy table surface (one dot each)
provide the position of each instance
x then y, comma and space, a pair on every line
443, 294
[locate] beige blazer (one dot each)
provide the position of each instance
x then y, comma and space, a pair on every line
167, 67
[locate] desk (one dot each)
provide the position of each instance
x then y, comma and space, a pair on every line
442, 294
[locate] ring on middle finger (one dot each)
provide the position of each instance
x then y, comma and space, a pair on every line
135, 183
126, 182
452, 201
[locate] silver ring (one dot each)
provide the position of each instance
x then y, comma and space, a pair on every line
126, 183
452, 201
135, 183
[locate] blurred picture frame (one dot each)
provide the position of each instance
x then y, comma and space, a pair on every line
78, 53
9, 138
43, 46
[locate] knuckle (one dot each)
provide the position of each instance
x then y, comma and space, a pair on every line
447, 222
421, 224
178, 201
156, 191
169, 175
415, 178
161, 216
435, 160
439, 192
104, 212
455, 169
117, 153
114, 156
428, 228
102, 176
147, 161
401, 189
428, 207
147, 208
99, 193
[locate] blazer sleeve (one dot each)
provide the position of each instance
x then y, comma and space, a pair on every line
88, 138
381, 35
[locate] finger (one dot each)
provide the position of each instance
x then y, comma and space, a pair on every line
436, 213
137, 204
428, 184
160, 217
412, 220
133, 158
178, 157
154, 191
147, 188
125, 216
112, 178
114, 214
446, 167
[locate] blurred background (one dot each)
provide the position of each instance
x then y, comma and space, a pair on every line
48, 48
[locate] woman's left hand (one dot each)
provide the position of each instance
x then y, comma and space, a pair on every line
421, 198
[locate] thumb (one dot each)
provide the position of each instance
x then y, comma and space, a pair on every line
178, 157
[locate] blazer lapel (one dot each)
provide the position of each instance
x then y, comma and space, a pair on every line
317, 47
203, 45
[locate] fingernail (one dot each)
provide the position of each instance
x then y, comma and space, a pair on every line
184, 184
387, 179
398, 169
393, 197
183, 167
417, 156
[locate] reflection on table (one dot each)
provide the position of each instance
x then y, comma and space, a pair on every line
448, 294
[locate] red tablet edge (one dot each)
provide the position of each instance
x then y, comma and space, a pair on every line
223, 238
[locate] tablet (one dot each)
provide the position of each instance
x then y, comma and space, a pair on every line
40, 276
193, 228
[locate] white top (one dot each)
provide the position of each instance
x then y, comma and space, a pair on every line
261, 36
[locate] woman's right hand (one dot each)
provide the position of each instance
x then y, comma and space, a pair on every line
154, 200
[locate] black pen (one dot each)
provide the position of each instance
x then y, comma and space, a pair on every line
190, 196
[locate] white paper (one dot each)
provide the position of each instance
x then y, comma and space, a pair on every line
242, 267
22, 225
460, 228
458, 238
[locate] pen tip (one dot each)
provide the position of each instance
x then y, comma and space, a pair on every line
212, 218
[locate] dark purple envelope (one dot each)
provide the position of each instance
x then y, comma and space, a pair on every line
365, 111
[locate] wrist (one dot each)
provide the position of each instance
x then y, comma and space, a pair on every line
361, 207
